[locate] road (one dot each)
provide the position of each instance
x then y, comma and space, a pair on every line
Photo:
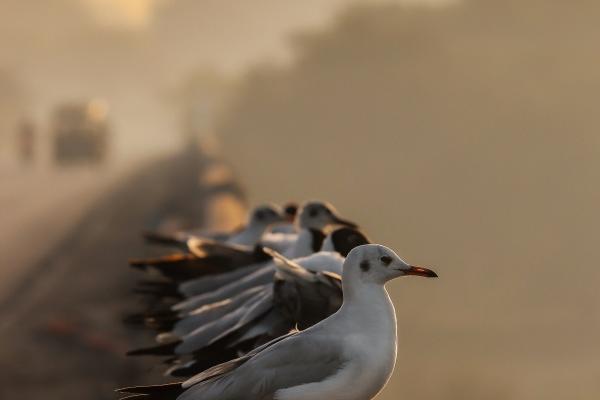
40, 205
61, 333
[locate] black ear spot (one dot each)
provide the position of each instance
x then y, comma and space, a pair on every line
386, 260
365, 266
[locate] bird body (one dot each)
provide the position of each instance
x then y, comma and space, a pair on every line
226, 284
259, 306
366, 354
348, 356
208, 256
260, 219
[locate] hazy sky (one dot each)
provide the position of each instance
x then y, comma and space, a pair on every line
139, 13
227, 35
132, 53
128, 13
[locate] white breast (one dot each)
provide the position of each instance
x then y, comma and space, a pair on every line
368, 331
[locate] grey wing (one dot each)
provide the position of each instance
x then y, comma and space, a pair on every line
214, 281
209, 333
292, 360
303, 296
214, 311
228, 366
271, 325
259, 277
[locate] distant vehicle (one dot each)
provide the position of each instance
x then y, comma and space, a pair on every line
80, 132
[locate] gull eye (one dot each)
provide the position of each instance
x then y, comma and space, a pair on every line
386, 260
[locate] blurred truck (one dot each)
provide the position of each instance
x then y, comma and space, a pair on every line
80, 132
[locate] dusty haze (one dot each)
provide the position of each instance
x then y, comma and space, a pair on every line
467, 139
137, 55
465, 136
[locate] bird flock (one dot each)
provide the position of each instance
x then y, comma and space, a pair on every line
292, 306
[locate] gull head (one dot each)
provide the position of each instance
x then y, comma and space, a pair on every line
266, 214
319, 214
374, 263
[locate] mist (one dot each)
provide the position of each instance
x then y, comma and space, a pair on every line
463, 134
465, 137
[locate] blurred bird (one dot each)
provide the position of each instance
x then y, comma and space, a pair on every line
259, 221
290, 210
261, 306
209, 257
330, 258
299, 299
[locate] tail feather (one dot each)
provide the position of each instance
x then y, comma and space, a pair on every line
162, 324
203, 360
160, 350
153, 319
163, 260
169, 391
185, 370
180, 267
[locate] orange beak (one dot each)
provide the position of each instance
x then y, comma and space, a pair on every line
420, 271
